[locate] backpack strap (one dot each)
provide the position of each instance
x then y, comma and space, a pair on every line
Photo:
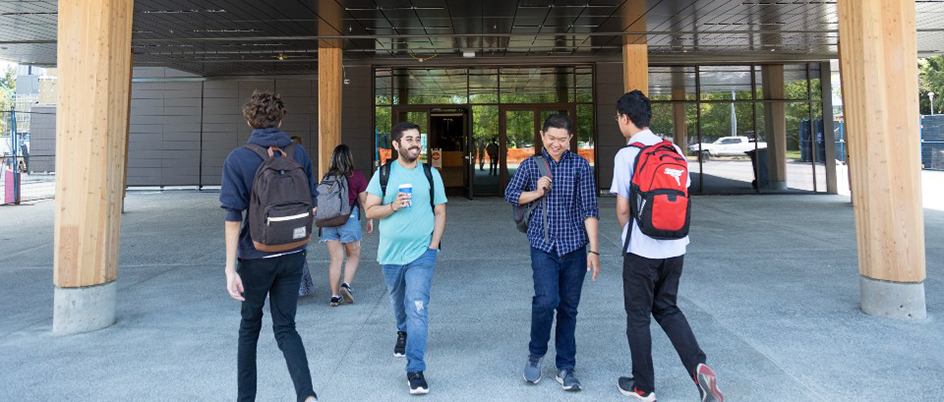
632, 198
263, 152
428, 170
545, 170
384, 178
258, 150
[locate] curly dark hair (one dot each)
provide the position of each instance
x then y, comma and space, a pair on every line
265, 109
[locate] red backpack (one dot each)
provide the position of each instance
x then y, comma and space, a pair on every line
658, 196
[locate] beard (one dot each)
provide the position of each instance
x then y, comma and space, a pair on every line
405, 154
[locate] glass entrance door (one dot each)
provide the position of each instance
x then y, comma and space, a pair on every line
520, 127
447, 130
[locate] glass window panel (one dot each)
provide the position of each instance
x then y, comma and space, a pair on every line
382, 146
430, 86
664, 80
584, 84
819, 147
519, 132
726, 163
537, 84
483, 86
816, 88
799, 148
584, 124
725, 82
794, 81
485, 140
383, 87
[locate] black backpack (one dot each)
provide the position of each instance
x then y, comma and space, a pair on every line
280, 207
522, 213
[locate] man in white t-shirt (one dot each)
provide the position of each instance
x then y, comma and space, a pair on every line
651, 271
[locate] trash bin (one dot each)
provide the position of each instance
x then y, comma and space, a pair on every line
759, 166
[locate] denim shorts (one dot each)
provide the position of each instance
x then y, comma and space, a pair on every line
349, 232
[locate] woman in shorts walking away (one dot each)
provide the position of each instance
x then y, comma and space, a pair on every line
346, 239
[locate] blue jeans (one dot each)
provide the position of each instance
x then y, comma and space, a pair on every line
557, 285
409, 294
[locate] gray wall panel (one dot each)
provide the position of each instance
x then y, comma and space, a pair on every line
608, 89
357, 112
43, 138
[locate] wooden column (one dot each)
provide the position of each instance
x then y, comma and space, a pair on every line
880, 82
636, 67
94, 67
775, 124
329, 105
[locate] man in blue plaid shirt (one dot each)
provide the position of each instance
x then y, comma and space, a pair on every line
559, 255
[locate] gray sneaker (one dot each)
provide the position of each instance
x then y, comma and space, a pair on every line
568, 380
532, 370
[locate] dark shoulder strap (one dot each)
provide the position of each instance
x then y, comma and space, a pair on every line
384, 178
258, 150
543, 166
428, 170
290, 150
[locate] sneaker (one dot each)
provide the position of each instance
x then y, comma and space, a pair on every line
336, 300
627, 386
707, 384
417, 383
347, 293
568, 380
532, 370
399, 350
313, 398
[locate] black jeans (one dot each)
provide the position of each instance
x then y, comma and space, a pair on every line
651, 287
278, 278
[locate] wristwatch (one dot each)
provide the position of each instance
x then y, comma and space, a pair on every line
593, 252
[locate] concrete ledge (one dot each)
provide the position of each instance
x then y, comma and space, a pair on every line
777, 185
85, 309
899, 300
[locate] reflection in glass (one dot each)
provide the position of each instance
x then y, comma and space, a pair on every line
382, 145
485, 141
519, 130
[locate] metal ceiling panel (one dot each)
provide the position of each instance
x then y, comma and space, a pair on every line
226, 37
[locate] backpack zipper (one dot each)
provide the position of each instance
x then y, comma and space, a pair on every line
269, 220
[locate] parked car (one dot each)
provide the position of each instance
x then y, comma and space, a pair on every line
726, 146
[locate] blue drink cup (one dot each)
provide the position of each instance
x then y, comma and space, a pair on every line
408, 189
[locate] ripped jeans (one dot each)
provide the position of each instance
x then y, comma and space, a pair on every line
409, 294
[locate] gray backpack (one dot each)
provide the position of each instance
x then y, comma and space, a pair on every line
522, 213
333, 206
280, 215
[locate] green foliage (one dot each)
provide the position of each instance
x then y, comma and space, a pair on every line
930, 79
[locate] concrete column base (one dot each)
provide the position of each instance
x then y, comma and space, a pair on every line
85, 309
899, 300
777, 185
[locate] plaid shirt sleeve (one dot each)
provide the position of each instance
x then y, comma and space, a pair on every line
519, 183
586, 191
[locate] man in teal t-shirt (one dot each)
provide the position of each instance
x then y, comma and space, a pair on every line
410, 231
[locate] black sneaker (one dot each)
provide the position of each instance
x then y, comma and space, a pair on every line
347, 293
627, 386
417, 383
336, 300
399, 350
707, 384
